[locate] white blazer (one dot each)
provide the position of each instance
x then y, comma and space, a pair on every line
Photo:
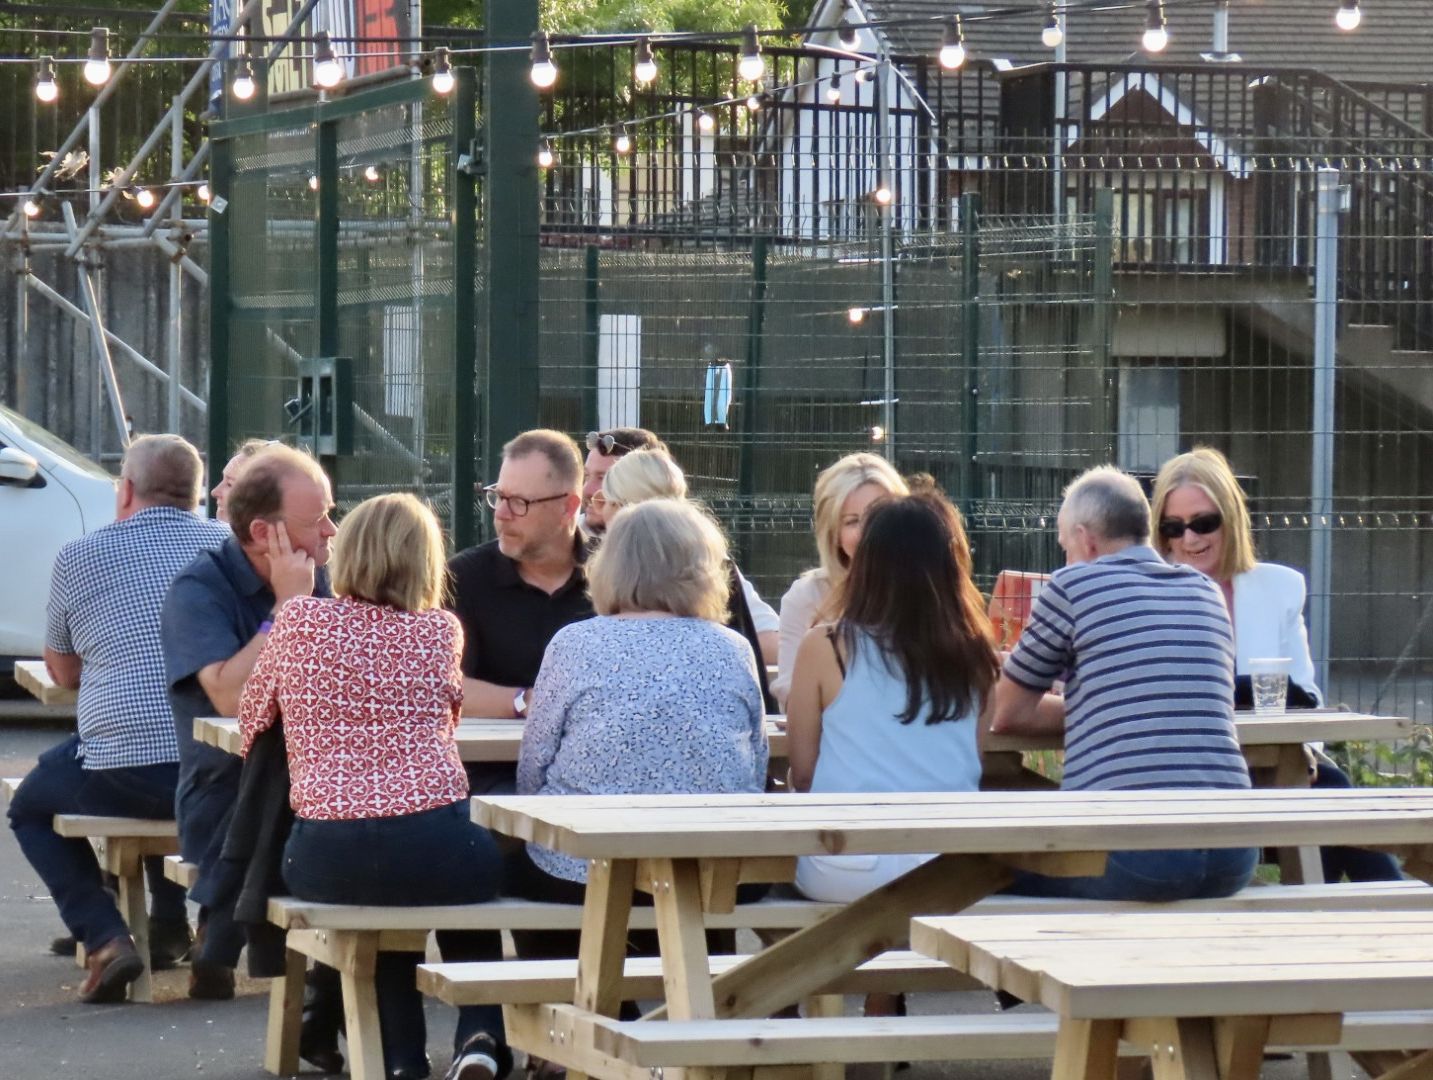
1269, 621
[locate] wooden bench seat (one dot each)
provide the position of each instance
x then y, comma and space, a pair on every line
182, 873
535, 982
856, 1040
9, 786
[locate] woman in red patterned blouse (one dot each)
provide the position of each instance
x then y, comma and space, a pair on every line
369, 688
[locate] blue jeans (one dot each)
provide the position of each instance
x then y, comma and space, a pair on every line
1152, 876
59, 784
1355, 863
435, 857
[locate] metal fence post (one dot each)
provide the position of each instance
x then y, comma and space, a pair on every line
751, 383
1321, 465
970, 343
591, 335
510, 224
1102, 321
326, 247
465, 522
221, 162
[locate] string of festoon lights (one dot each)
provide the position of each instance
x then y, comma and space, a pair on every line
329, 71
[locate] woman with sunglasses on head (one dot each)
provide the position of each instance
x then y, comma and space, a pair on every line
1202, 521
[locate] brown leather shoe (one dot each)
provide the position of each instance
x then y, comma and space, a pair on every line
112, 967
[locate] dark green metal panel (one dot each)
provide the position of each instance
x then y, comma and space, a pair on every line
751, 418
970, 343
465, 412
220, 303
591, 337
510, 138
326, 166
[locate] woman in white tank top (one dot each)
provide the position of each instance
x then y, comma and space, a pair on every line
893, 696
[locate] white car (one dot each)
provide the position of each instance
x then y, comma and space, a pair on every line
50, 494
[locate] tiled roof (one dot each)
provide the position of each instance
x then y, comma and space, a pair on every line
1394, 44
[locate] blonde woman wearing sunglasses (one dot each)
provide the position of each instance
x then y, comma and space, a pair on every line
1201, 520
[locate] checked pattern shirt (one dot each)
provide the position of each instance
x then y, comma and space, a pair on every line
105, 595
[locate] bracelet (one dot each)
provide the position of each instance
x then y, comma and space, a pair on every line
266, 626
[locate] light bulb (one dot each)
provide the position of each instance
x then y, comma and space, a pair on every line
952, 46
1156, 37
1053, 35
856, 315
883, 195
646, 67
46, 89
848, 35
243, 87
443, 80
751, 66
623, 143
97, 68
544, 71
327, 69
144, 197
833, 91
878, 433
753, 103
312, 181
31, 208
864, 75
203, 192
1349, 16
707, 122
372, 175
545, 156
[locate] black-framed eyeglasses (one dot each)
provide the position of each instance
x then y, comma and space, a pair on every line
516, 503
606, 444
1199, 524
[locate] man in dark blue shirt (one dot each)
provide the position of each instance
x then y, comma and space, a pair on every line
216, 618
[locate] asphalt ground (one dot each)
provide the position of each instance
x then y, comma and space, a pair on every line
45, 1033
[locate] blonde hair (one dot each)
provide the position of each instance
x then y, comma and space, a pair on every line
833, 487
642, 475
1209, 471
661, 555
389, 550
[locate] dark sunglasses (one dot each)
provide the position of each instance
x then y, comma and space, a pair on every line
606, 444
1199, 524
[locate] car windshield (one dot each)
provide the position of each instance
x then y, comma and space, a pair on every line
32, 431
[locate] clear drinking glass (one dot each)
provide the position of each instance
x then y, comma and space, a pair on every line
1270, 676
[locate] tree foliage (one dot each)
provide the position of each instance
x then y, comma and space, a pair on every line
589, 16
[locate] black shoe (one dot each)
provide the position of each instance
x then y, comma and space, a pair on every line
318, 1045
170, 942
64, 946
420, 1071
477, 1060
210, 982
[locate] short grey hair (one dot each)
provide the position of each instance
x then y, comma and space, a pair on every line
661, 555
166, 470
1109, 502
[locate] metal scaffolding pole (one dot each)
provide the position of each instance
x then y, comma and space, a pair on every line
104, 362
1321, 465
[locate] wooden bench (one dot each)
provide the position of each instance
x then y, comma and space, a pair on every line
183, 874
35, 677
122, 844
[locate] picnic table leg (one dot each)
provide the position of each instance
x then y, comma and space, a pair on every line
808, 960
285, 1025
127, 864
360, 1004
1301, 865
826, 1005
1086, 1050
602, 950
1181, 1049
681, 931
1414, 1068
1239, 1044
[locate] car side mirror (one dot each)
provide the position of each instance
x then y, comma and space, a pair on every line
17, 468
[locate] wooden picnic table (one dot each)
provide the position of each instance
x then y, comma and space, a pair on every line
690, 851
478, 739
1206, 993
34, 677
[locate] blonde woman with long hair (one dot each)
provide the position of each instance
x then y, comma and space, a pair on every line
844, 493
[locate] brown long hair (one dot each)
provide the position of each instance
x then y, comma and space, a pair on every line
910, 588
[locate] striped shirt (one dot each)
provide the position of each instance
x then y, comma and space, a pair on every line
1148, 655
105, 597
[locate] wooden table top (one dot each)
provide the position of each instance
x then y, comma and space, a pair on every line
478, 739
998, 822
1203, 964
33, 676
1282, 729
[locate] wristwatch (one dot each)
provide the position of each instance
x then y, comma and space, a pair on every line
519, 702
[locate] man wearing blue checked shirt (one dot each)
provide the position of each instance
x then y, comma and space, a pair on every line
103, 638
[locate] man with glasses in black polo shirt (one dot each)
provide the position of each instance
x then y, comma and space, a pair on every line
513, 593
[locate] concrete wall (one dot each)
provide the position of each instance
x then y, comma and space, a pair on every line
48, 372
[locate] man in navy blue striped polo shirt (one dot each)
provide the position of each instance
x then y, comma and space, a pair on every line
1147, 653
